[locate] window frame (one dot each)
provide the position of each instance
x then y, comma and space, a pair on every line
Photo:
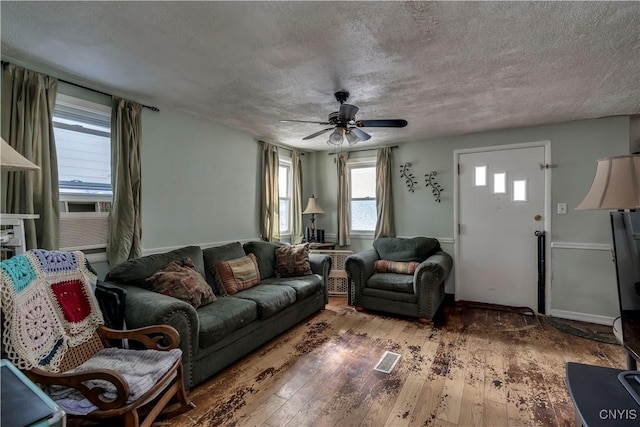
285, 163
368, 162
92, 112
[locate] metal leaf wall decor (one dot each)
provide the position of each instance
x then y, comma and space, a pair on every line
435, 187
409, 179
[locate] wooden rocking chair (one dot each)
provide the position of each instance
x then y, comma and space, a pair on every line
40, 283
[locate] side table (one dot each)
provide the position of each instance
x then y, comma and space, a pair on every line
326, 246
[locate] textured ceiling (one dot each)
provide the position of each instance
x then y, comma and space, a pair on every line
446, 67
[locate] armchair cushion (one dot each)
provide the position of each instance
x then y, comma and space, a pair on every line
401, 249
391, 282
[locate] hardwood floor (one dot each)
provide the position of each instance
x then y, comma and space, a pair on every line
477, 367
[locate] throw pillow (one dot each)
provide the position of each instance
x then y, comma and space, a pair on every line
237, 274
293, 260
384, 266
180, 279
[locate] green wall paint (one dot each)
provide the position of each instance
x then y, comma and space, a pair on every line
200, 181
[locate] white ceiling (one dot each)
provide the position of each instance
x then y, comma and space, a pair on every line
446, 67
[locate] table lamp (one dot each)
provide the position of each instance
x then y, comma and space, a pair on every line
313, 208
11, 160
616, 187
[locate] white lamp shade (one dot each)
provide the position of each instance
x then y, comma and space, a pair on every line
352, 138
616, 184
335, 138
313, 207
11, 160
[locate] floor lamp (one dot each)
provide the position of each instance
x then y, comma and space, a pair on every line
616, 186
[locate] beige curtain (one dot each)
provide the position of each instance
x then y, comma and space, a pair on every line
344, 217
28, 100
384, 194
296, 198
125, 230
270, 221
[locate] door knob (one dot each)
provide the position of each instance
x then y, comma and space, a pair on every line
538, 217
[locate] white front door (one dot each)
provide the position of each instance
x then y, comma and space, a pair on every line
501, 204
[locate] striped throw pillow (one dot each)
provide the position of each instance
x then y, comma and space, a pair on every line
237, 274
384, 266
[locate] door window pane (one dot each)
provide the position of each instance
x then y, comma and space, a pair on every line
481, 176
520, 190
500, 183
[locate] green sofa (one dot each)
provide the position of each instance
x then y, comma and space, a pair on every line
217, 334
418, 295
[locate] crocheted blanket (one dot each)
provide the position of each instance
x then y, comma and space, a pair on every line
48, 306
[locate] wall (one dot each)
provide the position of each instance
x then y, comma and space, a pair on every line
583, 276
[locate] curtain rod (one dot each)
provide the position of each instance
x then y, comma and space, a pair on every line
365, 149
149, 107
302, 153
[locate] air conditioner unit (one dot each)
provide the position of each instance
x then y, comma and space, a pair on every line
84, 224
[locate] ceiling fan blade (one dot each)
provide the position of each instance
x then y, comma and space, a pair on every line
387, 123
313, 135
361, 134
304, 121
347, 112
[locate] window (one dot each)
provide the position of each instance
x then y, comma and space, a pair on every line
481, 176
500, 183
284, 188
363, 196
82, 131
519, 190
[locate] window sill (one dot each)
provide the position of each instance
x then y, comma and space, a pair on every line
361, 235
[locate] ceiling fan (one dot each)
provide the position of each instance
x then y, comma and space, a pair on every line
344, 124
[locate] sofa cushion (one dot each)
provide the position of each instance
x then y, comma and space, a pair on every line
269, 298
399, 267
224, 316
265, 254
304, 286
293, 260
180, 280
212, 256
391, 282
401, 249
137, 271
237, 274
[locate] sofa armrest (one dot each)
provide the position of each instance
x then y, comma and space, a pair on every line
359, 268
429, 280
147, 308
321, 265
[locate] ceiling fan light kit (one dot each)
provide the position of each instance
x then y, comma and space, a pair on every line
345, 124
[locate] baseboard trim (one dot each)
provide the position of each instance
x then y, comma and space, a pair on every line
581, 246
583, 317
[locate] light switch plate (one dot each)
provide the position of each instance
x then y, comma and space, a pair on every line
562, 208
